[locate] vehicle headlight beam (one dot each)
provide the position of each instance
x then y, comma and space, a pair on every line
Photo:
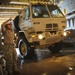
40, 36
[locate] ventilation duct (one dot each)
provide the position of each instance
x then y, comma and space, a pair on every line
4, 1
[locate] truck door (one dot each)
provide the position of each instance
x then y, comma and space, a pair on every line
25, 21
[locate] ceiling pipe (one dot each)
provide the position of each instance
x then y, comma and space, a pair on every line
8, 12
11, 8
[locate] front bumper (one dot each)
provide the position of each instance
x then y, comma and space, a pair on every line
48, 38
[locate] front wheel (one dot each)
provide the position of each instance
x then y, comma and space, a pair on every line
56, 47
25, 49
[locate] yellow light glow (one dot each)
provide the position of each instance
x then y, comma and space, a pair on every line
65, 34
33, 36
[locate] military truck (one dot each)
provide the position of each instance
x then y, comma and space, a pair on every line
40, 25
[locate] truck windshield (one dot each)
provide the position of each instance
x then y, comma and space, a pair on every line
39, 11
55, 11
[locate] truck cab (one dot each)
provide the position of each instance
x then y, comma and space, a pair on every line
40, 25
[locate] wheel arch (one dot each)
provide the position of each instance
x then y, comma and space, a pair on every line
23, 36
16, 23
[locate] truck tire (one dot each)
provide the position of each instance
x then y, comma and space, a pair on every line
25, 50
56, 47
16, 22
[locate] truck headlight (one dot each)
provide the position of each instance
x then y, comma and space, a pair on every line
33, 36
65, 34
40, 36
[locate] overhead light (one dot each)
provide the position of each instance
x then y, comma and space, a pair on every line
20, 3
61, 1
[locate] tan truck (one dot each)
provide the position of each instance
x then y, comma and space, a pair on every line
40, 25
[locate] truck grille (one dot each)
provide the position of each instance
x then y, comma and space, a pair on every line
50, 27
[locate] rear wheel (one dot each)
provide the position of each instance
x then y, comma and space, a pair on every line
56, 47
25, 49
